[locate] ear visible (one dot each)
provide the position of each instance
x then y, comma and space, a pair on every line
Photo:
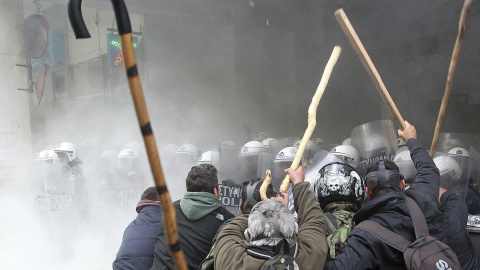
216, 193
369, 192
241, 207
402, 184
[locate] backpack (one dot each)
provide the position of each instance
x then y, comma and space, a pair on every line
339, 226
425, 252
276, 260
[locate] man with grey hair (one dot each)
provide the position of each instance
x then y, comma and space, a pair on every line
251, 240
269, 223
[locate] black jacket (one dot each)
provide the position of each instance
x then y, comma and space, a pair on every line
195, 238
136, 251
455, 212
366, 251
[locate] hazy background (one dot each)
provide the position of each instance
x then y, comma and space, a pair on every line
228, 69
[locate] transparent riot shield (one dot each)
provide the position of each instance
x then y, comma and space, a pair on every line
231, 196
59, 187
327, 147
454, 172
405, 164
277, 145
38, 190
375, 140
226, 159
320, 159
475, 171
265, 162
447, 141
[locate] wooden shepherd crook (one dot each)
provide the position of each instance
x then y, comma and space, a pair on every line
369, 66
125, 32
264, 186
451, 72
312, 114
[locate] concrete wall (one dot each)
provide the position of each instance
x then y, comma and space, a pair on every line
14, 107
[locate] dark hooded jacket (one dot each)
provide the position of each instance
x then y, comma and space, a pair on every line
365, 250
136, 250
456, 214
199, 215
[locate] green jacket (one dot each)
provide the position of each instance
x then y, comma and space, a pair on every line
231, 244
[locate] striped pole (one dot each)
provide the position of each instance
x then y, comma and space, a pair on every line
125, 32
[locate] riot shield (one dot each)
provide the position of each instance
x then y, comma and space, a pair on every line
320, 159
38, 189
122, 190
59, 187
265, 162
277, 145
231, 196
226, 159
454, 172
405, 164
475, 171
375, 140
447, 141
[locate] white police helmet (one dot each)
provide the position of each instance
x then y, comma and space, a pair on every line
459, 151
286, 154
252, 148
205, 158
346, 153
68, 148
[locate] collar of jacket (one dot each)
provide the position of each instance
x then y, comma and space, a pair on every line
377, 205
196, 205
142, 203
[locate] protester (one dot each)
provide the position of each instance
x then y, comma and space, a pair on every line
250, 197
455, 211
271, 225
136, 250
388, 208
199, 215
340, 190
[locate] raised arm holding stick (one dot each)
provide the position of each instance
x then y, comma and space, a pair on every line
125, 32
312, 114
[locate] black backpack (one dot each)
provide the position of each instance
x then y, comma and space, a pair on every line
424, 253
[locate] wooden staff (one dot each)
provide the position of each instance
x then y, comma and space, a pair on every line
125, 32
369, 66
266, 182
312, 114
451, 72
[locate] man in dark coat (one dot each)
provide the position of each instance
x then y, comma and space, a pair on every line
455, 212
199, 215
388, 208
136, 250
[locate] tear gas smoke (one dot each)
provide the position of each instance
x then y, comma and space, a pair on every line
216, 70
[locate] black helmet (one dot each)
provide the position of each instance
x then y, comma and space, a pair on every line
339, 182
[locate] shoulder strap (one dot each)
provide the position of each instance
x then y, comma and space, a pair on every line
259, 253
266, 254
390, 238
418, 219
331, 223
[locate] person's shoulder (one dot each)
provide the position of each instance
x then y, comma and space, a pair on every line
224, 213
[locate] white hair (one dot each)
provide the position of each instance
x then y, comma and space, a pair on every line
269, 222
